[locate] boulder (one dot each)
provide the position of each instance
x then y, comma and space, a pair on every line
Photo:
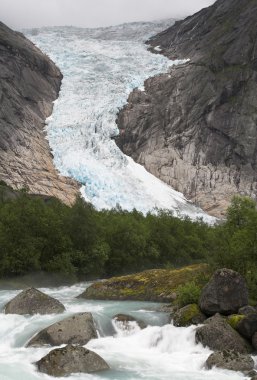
77, 329
248, 326
32, 301
246, 310
124, 319
234, 320
254, 341
225, 293
252, 374
188, 315
218, 335
71, 359
229, 359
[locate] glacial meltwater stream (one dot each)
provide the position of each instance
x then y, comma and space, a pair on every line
158, 352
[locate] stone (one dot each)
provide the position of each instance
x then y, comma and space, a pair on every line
33, 301
246, 310
234, 320
231, 360
124, 319
218, 335
195, 126
248, 325
188, 315
71, 359
225, 293
254, 341
29, 83
77, 329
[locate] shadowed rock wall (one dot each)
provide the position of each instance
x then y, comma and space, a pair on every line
29, 83
196, 126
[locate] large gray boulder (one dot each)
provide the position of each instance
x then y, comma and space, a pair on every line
71, 359
218, 335
33, 301
230, 360
225, 293
77, 329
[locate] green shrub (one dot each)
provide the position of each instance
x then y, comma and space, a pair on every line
188, 294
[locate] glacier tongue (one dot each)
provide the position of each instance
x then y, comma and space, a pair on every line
100, 68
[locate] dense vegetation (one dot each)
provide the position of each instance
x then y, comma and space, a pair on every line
39, 233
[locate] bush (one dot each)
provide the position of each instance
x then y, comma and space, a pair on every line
188, 294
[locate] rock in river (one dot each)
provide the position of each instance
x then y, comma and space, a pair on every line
230, 360
225, 293
124, 320
71, 359
218, 335
77, 329
188, 315
32, 301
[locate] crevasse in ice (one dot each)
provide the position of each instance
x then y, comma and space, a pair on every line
100, 68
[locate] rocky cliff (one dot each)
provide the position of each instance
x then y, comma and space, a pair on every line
29, 83
196, 126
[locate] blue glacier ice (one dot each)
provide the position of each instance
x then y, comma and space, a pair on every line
100, 68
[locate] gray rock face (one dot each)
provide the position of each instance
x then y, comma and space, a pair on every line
218, 335
29, 83
71, 359
230, 360
32, 301
195, 127
77, 329
225, 293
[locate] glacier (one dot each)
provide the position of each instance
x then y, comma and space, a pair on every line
100, 68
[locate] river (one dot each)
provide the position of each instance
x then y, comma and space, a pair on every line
158, 352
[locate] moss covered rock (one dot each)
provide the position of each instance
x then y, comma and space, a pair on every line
234, 320
158, 285
188, 315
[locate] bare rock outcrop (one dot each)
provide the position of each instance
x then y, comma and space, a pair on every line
196, 126
29, 83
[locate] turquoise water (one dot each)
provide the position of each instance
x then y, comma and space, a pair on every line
158, 352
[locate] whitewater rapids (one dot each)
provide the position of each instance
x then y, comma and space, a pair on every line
101, 67
158, 352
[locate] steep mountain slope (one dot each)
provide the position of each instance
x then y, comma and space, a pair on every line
29, 83
196, 126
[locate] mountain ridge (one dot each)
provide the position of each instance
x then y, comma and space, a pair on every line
188, 126
29, 83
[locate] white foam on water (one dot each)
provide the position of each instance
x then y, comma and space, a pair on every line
158, 352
